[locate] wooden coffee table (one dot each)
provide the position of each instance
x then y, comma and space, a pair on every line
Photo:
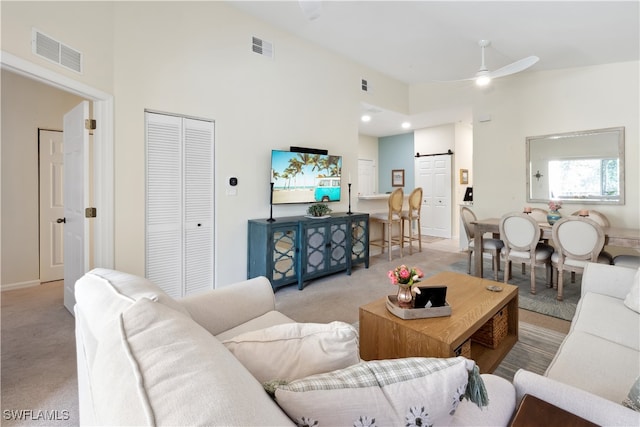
386, 336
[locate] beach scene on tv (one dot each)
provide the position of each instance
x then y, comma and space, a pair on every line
304, 177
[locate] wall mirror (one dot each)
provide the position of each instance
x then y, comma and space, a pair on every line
577, 167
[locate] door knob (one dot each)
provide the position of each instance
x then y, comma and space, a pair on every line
61, 220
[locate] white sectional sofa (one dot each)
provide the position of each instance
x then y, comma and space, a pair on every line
599, 360
147, 359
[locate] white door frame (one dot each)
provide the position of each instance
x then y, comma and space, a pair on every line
103, 241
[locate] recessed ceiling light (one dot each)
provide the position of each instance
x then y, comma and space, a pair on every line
366, 118
406, 125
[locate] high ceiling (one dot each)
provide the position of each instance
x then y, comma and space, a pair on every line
428, 41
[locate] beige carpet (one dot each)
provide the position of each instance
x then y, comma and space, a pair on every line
38, 374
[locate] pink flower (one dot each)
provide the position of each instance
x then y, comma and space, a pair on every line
405, 275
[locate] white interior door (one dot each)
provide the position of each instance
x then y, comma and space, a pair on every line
366, 180
76, 198
433, 174
51, 205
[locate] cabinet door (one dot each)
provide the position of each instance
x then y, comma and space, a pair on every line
316, 240
360, 240
338, 245
284, 250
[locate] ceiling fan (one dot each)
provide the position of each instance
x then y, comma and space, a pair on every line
483, 77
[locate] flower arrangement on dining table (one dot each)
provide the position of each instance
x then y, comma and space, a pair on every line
555, 205
405, 276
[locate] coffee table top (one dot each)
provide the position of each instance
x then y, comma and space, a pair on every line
472, 305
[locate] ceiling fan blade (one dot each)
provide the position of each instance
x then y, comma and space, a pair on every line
514, 67
311, 9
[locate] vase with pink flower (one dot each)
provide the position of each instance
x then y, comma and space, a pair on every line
553, 215
406, 278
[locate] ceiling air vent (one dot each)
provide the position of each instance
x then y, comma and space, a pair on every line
55, 51
364, 85
262, 47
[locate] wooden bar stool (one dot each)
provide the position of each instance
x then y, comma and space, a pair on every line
388, 219
413, 214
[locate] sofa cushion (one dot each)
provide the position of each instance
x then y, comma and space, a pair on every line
607, 317
596, 365
159, 367
105, 293
296, 350
410, 391
266, 320
632, 299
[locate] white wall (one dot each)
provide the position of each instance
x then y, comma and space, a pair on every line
204, 67
194, 58
26, 106
539, 103
86, 26
550, 102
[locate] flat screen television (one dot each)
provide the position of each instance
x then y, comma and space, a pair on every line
305, 177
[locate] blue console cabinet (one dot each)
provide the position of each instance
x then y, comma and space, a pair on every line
295, 249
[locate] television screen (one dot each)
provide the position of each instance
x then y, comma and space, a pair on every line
305, 177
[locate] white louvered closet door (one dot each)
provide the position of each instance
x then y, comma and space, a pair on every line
179, 203
198, 206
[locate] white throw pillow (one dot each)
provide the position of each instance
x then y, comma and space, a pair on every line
296, 350
410, 391
633, 297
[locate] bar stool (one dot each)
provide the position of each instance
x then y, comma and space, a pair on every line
388, 219
413, 214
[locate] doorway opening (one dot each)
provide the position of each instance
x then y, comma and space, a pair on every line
103, 242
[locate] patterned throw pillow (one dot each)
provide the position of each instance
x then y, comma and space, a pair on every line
411, 391
633, 398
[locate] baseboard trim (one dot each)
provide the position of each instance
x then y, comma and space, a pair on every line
20, 285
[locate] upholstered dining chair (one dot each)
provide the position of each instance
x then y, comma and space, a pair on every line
388, 220
603, 221
578, 241
521, 236
411, 215
491, 246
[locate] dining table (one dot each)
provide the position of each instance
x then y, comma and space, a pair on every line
614, 236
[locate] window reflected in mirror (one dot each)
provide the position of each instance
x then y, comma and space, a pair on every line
577, 167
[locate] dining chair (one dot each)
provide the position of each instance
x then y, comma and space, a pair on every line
491, 246
603, 221
578, 240
388, 219
411, 215
521, 236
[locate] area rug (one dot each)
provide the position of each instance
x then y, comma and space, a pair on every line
544, 301
534, 351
